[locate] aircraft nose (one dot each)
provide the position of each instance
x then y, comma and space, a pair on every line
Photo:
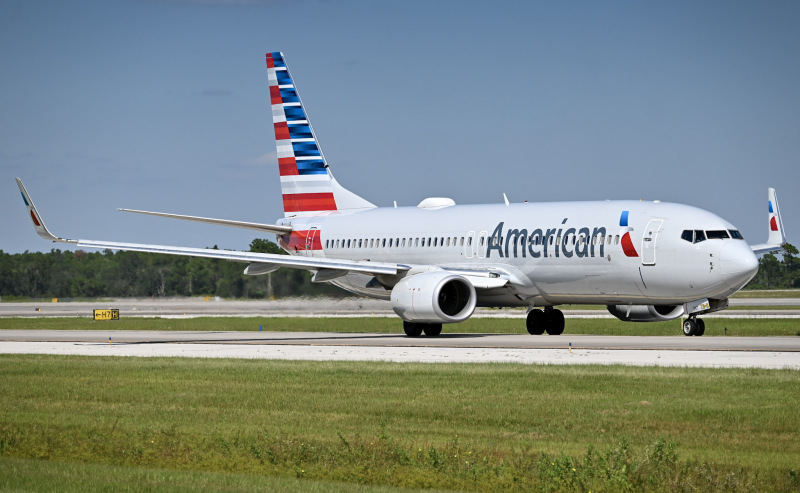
738, 264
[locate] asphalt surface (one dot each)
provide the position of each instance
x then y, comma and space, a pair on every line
316, 307
715, 352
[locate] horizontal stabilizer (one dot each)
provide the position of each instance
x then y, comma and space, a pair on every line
269, 228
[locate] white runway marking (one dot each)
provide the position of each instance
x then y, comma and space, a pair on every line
635, 357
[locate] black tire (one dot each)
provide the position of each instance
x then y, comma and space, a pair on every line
689, 327
432, 330
411, 329
555, 323
536, 322
701, 327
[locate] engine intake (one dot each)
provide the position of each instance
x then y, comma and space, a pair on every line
434, 297
646, 313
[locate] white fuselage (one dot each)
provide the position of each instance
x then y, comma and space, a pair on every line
555, 253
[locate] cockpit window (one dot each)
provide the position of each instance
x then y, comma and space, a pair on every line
717, 234
693, 236
699, 235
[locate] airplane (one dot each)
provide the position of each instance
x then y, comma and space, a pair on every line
436, 262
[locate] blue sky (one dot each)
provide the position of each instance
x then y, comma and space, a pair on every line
163, 105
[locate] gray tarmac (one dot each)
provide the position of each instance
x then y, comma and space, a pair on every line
715, 352
317, 307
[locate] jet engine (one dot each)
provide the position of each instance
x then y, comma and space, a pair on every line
646, 313
433, 297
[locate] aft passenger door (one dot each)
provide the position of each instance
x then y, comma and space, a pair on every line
311, 238
649, 241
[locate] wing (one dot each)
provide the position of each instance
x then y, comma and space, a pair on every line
260, 263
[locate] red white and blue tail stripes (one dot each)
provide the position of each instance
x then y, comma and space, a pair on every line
305, 182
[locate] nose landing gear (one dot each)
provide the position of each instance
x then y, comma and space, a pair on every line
694, 326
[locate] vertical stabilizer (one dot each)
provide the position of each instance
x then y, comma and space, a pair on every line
776, 233
307, 184
777, 236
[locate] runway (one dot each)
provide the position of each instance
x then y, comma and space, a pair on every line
715, 352
329, 307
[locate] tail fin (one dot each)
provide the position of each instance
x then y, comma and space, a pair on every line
776, 233
307, 184
777, 236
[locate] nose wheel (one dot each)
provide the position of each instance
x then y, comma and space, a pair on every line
694, 326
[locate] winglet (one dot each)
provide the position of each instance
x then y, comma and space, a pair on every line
38, 223
777, 235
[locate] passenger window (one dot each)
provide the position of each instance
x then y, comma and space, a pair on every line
616, 240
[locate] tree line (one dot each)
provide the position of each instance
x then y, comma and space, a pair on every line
778, 273
80, 274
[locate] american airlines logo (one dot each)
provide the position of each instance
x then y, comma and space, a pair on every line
559, 242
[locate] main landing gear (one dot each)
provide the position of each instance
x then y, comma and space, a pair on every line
694, 326
413, 329
548, 320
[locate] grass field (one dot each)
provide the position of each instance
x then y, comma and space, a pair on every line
601, 326
174, 423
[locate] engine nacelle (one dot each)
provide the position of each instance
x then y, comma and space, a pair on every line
646, 313
434, 297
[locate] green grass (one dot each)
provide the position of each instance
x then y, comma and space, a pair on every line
599, 326
452, 426
767, 293
46, 475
